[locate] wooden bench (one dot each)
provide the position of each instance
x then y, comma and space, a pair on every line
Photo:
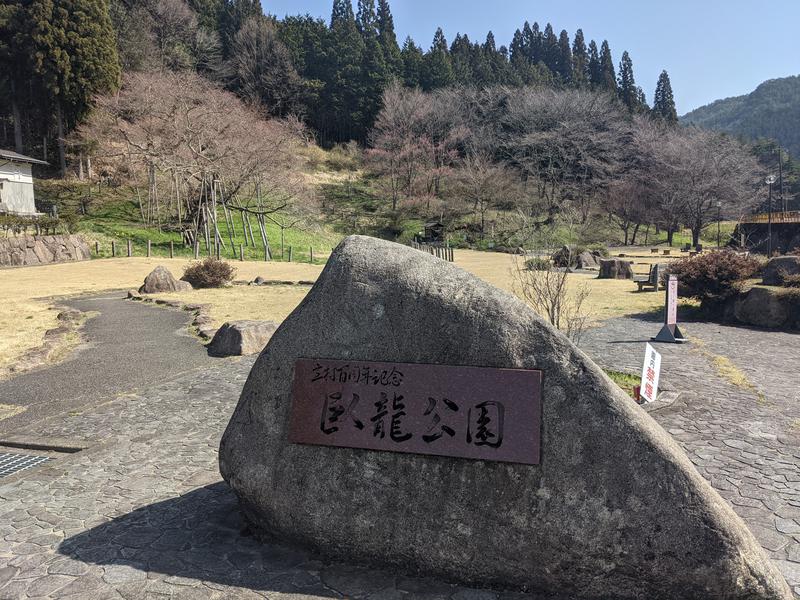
652, 279
666, 252
686, 248
653, 250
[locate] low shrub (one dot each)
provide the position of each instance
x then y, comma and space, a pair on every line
790, 280
209, 273
538, 263
712, 277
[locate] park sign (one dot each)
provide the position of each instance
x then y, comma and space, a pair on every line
608, 486
648, 390
670, 332
466, 412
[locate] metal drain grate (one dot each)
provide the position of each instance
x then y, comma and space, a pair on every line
13, 463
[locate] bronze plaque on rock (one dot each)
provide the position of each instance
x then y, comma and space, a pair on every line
466, 412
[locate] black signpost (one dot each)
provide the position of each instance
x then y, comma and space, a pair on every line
670, 332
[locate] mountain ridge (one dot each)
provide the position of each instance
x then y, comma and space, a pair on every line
770, 111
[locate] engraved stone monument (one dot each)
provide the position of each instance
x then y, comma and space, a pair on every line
411, 416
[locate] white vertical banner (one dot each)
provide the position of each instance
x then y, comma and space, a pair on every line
672, 300
650, 372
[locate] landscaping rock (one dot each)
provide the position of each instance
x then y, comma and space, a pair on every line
563, 257
614, 510
587, 260
614, 268
259, 280
161, 280
777, 266
239, 338
771, 308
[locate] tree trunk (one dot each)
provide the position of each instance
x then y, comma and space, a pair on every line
696, 229
62, 158
17, 119
635, 231
670, 233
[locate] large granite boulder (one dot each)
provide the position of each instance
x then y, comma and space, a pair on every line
161, 280
779, 266
239, 338
767, 307
615, 268
587, 260
615, 509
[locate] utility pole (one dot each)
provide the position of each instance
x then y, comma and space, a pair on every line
769, 181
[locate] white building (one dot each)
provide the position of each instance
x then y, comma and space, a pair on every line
16, 183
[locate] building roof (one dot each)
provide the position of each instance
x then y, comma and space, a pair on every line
9, 155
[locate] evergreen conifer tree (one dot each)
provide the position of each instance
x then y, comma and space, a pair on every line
367, 19
608, 80
75, 57
437, 70
535, 44
412, 63
664, 101
564, 57
580, 61
344, 86
626, 85
595, 72
550, 49
461, 58
388, 39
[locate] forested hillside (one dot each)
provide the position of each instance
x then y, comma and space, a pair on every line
206, 116
771, 111
330, 73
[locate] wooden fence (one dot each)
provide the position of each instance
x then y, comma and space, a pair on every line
129, 248
443, 252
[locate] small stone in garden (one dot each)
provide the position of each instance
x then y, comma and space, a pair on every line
239, 338
161, 280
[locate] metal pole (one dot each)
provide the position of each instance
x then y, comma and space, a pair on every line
780, 179
769, 224
719, 216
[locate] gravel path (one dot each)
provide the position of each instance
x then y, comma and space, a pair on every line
142, 513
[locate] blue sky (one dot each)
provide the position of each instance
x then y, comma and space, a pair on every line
711, 48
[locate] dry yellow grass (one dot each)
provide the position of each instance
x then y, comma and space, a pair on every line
27, 294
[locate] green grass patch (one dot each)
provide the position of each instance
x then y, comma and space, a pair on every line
626, 381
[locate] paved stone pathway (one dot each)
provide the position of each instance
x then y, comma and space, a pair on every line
744, 440
129, 346
142, 513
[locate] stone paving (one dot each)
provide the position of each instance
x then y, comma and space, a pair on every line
744, 439
142, 513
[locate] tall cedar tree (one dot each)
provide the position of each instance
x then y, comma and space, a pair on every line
664, 101
343, 89
388, 40
437, 70
374, 73
595, 72
626, 85
412, 63
564, 57
232, 15
15, 67
608, 79
580, 61
550, 50
74, 58
461, 59
533, 41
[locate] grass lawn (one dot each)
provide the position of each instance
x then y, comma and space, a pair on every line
27, 294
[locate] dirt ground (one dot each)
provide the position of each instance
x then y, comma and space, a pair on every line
28, 295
